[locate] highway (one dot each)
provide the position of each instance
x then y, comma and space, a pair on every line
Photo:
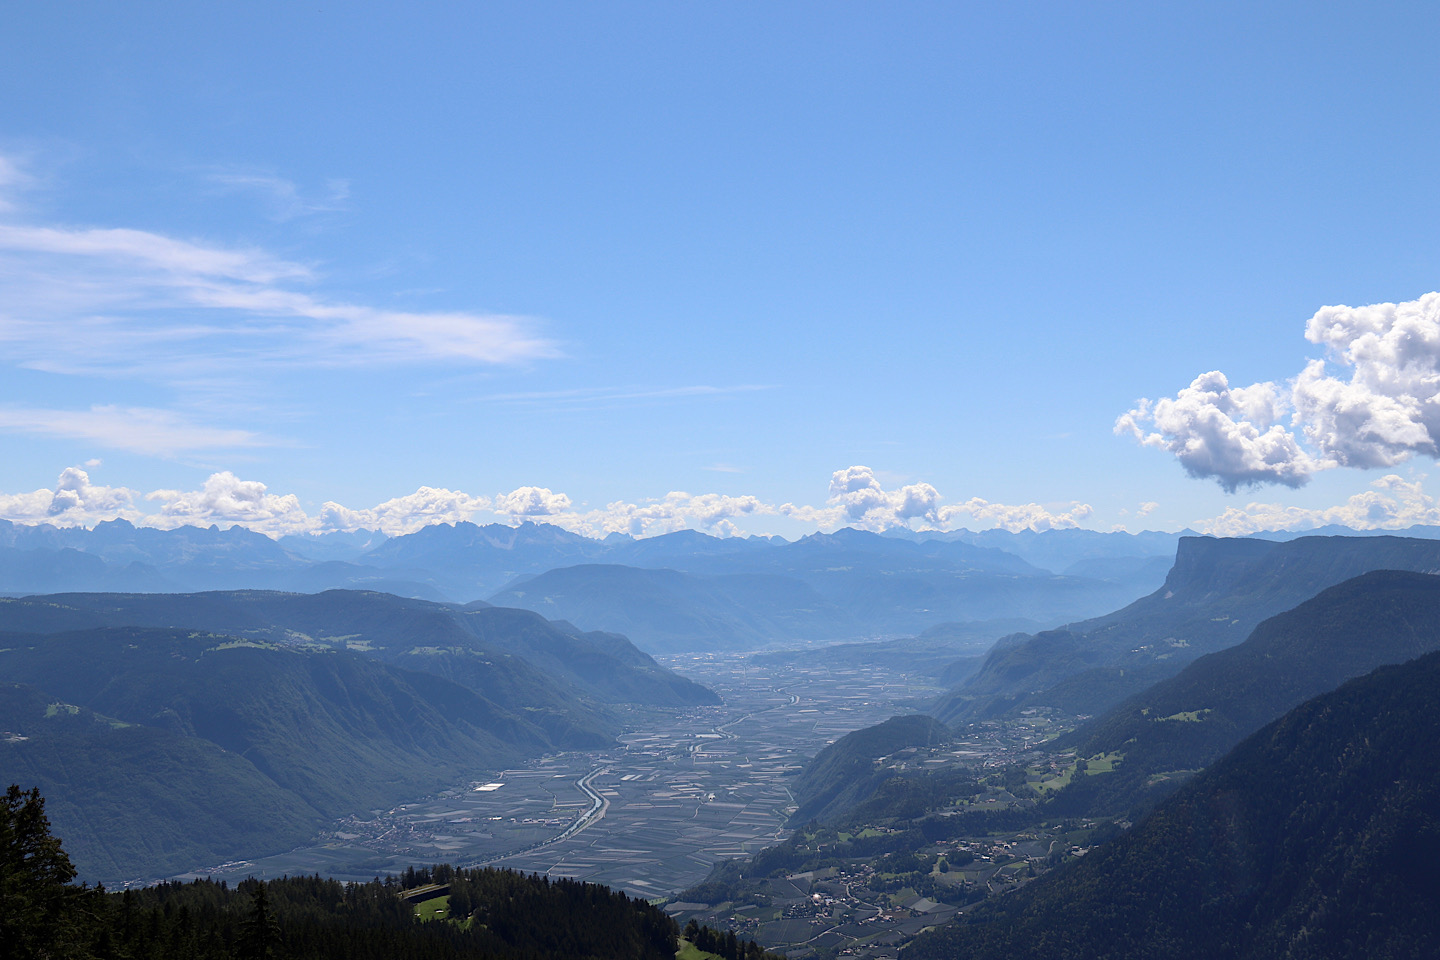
598, 806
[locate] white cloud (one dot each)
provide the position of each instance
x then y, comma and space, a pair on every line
137, 429
528, 502
1028, 516
1385, 410
401, 515
1146, 508
1392, 503
1230, 434
712, 512
1389, 408
857, 498
136, 302
74, 502
227, 500
284, 199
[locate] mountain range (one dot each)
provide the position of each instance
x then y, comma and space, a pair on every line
1317, 837
1217, 592
1188, 721
681, 591
172, 731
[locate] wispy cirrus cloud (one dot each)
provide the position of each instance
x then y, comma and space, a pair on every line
135, 429
591, 396
129, 302
283, 199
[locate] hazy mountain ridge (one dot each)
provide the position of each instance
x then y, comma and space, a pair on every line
321, 733
841, 585
510, 649
815, 590
1216, 593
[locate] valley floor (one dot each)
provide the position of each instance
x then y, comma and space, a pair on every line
689, 788
685, 789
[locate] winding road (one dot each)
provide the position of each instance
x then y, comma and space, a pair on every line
598, 806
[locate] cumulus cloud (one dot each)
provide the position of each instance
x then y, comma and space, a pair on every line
1227, 433
1392, 503
1373, 401
227, 500
1028, 516
712, 512
529, 502
857, 498
401, 515
75, 502
1389, 407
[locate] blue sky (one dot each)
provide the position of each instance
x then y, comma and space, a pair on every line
544, 258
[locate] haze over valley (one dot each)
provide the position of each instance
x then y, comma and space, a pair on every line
719, 482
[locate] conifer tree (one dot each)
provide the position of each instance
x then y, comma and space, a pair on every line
36, 901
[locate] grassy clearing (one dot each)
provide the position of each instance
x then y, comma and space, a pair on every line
436, 908
688, 951
1100, 763
1104, 762
1187, 716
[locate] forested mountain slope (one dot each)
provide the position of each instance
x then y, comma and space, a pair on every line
1317, 837
313, 733
845, 773
512, 656
1191, 719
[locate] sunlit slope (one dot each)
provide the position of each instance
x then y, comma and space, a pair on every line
1317, 837
1189, 720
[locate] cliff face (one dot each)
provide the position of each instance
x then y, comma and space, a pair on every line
1216, 593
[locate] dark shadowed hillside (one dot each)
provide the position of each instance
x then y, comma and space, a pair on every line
1191, 719
136, 800
1318, 837
333, 731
